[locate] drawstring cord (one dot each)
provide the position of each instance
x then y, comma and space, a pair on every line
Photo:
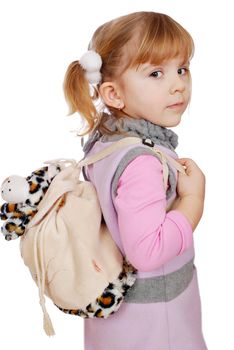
61, 161
39, 240
38, 237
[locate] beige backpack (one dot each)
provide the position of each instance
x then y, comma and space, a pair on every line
69, 250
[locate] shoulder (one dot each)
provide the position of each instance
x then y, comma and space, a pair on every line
140, 164
141, 183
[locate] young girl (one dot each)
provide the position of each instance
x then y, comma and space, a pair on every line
138, 65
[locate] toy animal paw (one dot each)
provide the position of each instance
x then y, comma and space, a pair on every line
23, 196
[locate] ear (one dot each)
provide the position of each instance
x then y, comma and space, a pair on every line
110, 93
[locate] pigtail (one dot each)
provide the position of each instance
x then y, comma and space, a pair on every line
77, 94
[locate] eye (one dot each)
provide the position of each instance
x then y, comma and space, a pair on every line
155, 74
181, 69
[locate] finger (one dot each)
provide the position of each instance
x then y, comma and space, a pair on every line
187, 162
183, 161
187, 165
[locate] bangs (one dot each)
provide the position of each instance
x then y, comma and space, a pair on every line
161, 40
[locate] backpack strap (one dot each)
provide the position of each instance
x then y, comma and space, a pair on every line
129, 141
124, 142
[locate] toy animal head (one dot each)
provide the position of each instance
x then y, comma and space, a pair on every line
23, 196
15, 189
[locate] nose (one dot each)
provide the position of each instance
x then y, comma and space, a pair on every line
177, 84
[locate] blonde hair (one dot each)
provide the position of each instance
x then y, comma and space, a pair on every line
124, 42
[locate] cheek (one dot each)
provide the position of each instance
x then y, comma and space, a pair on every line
189, 87
152, 98
135, 94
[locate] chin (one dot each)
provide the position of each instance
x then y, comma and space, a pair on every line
171, 123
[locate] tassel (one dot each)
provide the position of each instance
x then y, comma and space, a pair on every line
48, 327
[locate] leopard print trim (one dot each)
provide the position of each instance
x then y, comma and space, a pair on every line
112, 297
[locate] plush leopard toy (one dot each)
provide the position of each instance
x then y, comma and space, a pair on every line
23, 196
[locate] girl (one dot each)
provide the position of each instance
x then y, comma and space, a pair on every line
138, 65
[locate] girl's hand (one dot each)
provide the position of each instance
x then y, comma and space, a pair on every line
193, 182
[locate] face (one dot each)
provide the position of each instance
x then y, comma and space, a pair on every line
159, 94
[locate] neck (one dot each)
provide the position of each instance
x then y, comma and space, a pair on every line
134, 127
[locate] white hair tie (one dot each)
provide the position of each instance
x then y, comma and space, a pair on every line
91, 62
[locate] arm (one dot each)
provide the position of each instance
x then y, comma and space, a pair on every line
190, 206
150, 236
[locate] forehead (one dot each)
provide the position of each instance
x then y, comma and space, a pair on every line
177, 61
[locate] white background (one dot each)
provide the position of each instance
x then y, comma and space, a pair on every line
38, 41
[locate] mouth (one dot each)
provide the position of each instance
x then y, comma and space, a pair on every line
176, 105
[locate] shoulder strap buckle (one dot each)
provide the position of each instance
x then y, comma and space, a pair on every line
148, 142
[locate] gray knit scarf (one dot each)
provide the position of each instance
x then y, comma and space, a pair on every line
134, 127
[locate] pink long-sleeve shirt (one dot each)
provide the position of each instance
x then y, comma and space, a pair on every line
150, 236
